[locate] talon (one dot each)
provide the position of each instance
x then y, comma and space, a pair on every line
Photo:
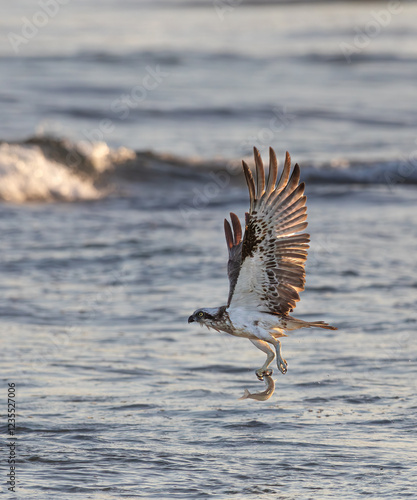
261, 374
283, 366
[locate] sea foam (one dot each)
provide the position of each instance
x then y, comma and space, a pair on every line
26, 174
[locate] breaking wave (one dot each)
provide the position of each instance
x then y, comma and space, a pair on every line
42, 169
46, 169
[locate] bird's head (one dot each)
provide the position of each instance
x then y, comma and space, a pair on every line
206, 316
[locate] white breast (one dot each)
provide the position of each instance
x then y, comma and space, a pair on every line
252, 324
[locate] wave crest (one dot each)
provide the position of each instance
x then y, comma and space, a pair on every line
45, 169
49, 169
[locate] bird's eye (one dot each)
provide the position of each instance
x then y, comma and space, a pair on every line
201, 314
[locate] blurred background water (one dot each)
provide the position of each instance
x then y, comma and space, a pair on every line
123, 124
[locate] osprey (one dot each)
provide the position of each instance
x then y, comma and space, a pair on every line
266, 267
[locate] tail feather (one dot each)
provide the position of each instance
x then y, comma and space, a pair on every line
320, 324
295, 324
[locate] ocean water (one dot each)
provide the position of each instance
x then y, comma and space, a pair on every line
123, 127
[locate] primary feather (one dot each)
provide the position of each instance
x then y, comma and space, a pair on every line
266, 269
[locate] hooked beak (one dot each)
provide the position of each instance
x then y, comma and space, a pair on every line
190, 319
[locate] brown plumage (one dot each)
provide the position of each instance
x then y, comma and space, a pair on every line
276, 215
266, 265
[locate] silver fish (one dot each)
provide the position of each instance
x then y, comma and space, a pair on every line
261, 396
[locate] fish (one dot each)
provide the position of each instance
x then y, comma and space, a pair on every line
264, 395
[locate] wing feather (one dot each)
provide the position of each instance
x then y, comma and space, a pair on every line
287, 194
285, 173
272, 253
250, 182
237, 228
288, 224
260, 174
234, 245
228, 233
272, 174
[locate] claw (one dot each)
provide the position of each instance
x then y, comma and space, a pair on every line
282, 366
263, 373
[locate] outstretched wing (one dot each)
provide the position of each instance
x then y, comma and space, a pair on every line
272, 254
234, 245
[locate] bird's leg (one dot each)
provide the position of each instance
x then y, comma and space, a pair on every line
281, 363
270, 355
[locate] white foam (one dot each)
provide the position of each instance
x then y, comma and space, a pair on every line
27, 175
102, 157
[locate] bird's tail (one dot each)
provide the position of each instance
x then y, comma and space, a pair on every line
295, 324
320, 324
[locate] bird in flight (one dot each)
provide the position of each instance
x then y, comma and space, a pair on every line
266, 267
